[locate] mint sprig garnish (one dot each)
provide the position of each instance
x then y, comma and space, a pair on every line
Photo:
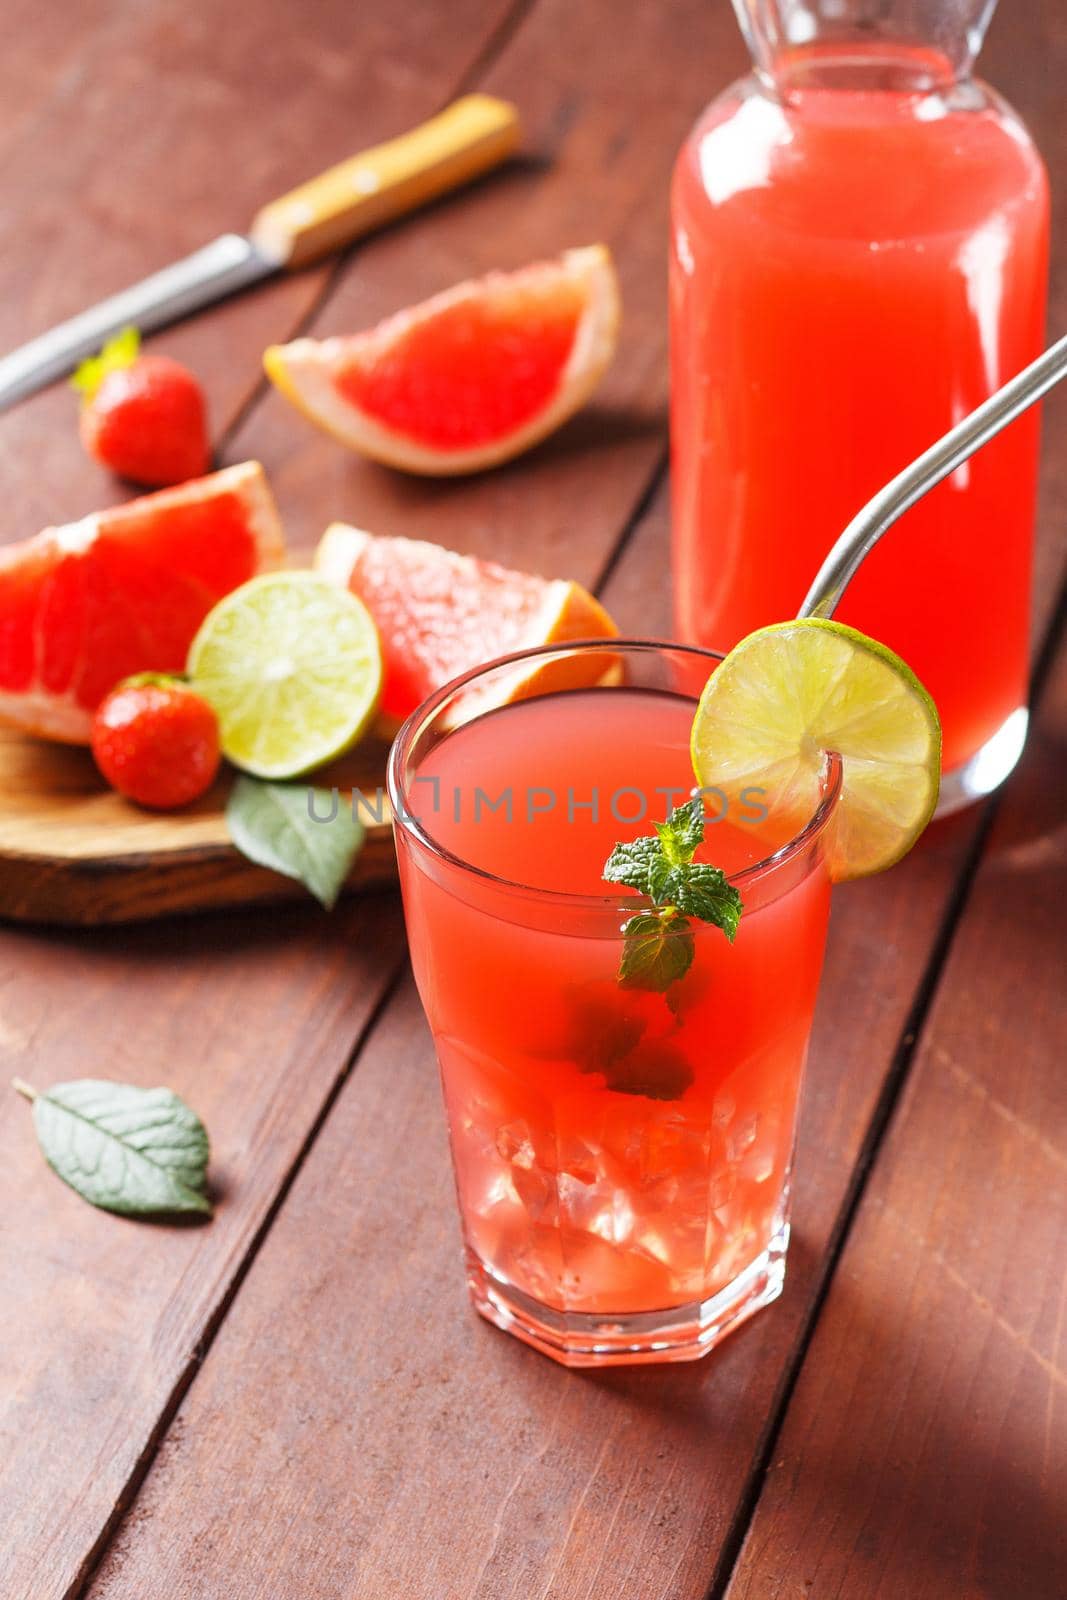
658, 944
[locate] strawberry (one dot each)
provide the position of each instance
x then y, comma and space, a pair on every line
142, 416
156, 741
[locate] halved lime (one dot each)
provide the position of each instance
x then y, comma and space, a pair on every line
791, 692
293, 668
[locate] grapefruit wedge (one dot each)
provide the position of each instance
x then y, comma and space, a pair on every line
469, 378
439, 614
124, 591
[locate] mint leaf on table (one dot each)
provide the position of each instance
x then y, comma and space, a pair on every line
138, 1152
658, 945
272, 824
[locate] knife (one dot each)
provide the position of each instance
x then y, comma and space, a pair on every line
473, 135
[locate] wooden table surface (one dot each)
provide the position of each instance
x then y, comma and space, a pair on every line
295, 1402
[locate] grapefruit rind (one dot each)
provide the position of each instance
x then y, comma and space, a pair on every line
303, 371
61, 717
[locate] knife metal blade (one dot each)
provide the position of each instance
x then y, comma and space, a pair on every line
221, 268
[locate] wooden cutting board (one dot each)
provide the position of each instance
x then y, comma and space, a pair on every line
75, 853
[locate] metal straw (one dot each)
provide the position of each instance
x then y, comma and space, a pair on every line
879, 514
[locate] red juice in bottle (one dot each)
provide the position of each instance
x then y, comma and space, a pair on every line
859, 258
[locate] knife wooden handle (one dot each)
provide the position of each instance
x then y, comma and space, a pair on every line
471, 136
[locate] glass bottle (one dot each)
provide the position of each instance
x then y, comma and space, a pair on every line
859, 251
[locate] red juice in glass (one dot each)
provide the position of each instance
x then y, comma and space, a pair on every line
859, 258
621, 1156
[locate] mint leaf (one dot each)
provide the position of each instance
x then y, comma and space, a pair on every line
707, 893
609, 1035
658, 950
660, 878
138, 1152
658, 946
271, 824
655, 1069
630, 863
682, 832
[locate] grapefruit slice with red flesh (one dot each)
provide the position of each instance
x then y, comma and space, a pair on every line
469, 378
439, 614
123, 591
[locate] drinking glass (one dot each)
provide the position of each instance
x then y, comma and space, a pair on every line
621, 1155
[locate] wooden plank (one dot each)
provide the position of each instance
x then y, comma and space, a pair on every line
924, 1452
53, 47
137, 133
253, 1020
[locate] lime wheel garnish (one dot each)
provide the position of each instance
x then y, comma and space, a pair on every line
789, 694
